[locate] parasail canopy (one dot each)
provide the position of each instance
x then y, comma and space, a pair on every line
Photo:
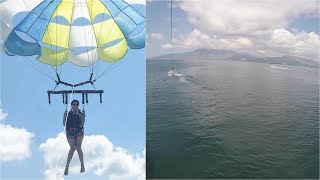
81, 31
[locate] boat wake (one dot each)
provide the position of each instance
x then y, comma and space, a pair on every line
278, 67
180, 76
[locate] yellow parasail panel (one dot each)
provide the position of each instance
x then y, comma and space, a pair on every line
113, 53
53, 57
107, 31
57, 35
64, 9
95, 7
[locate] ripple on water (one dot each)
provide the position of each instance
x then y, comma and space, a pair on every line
232, 120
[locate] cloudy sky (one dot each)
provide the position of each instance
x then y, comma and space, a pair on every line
31, 130
264, 28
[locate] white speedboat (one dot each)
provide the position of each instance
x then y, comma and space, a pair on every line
172, 72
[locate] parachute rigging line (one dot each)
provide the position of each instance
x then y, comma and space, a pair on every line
113, 65
129, 25
171, 31
85, 37
55, 69
33, 65
64, 130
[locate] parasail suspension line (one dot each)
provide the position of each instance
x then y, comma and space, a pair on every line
171, 31
68, 107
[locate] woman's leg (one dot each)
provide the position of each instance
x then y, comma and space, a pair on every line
80, 153
72, 144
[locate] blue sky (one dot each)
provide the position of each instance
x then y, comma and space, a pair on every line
121, 116
22, 86
267, 28
114, 145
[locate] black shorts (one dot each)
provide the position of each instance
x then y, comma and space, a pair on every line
74, 132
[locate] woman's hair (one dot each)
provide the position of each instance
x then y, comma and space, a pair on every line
74, 101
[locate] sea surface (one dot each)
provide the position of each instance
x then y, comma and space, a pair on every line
231, 119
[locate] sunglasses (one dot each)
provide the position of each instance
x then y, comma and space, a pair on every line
75, 104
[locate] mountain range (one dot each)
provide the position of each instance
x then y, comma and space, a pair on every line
212, 54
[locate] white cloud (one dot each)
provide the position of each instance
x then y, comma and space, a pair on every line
279, 42
166, 46
246, 16
240, 43
100, 156
14, 142
301, 44
157, 36
136, 2
257, 27
197, 39
3, 115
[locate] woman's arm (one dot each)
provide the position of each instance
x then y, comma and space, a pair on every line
82, 117
64, 118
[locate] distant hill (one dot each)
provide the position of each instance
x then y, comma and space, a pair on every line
211, 54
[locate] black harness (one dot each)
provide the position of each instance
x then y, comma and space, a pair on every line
74, 127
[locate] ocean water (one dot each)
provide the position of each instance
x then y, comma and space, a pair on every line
232, 119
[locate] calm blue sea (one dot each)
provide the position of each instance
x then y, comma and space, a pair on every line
232, 119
